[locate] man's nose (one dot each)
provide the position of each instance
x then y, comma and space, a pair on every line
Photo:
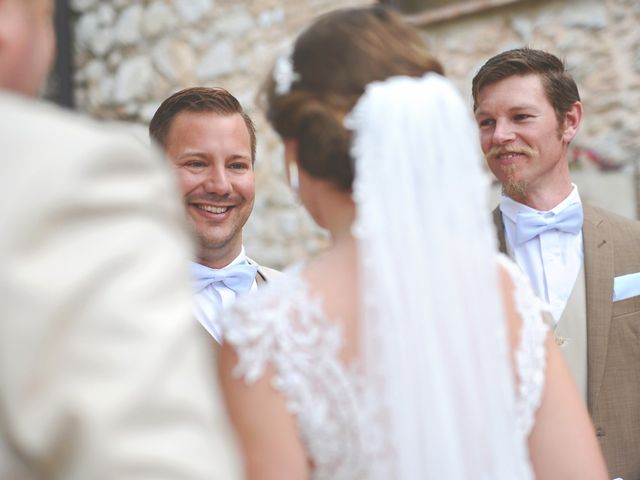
503, 133
217, 181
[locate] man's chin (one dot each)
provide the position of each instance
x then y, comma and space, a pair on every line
514, 188
207, 236
214, 242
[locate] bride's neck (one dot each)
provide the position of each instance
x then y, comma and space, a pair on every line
343, 243
339, 217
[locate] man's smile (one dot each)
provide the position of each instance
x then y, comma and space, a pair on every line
212, 209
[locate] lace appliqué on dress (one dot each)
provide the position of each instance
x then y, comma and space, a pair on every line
531, 353
284, 326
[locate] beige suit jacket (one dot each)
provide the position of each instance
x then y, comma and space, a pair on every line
611, 249
264, 274
103, 372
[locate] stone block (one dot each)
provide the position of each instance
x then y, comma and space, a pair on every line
157, 18
133, 79
128, 27
191, 11
174, 59
219, 60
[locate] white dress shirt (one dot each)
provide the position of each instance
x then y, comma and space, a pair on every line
551, 260
209, 302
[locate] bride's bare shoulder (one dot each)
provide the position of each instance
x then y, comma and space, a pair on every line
333, 274
507, 293
333, 278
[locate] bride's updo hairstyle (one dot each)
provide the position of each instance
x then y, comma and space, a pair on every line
333, 61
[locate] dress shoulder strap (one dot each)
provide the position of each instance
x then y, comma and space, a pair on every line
530, 355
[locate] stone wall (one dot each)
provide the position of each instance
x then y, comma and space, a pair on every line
131, 54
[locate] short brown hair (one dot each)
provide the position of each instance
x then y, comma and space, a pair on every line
334, 60
198, 99
559, 86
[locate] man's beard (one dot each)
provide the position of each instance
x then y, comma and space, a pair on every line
512, 187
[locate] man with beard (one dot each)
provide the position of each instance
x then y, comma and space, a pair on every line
103, 371
211, 142
584, 261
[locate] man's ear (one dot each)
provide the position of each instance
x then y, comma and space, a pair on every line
572, 120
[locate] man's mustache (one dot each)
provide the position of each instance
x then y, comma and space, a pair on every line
495, 151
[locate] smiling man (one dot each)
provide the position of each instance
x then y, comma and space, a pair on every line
212, 144
582, 260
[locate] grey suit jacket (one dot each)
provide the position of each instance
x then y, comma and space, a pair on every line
104, 374
611, 249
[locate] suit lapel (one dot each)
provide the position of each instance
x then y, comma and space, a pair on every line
598, 266
499, 224
261, 279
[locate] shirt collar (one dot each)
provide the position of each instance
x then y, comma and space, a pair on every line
239, 260
510, 208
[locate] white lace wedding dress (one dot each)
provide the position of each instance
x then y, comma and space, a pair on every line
339, 416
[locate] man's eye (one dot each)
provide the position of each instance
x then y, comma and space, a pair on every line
194, 164
487, 122
521, 116
238, 166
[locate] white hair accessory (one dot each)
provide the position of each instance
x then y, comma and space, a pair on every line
283, 73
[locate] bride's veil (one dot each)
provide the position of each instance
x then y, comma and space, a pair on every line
433, 331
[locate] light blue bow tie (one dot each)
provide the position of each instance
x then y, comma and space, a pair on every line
529, 224
238, 278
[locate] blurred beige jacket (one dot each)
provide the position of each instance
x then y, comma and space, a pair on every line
103, 372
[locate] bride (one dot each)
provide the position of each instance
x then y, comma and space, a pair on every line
409, 349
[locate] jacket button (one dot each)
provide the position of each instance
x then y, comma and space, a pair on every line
599, 432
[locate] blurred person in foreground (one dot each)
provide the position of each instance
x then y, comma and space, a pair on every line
211, 143
104, 374
584, 261
410, 349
